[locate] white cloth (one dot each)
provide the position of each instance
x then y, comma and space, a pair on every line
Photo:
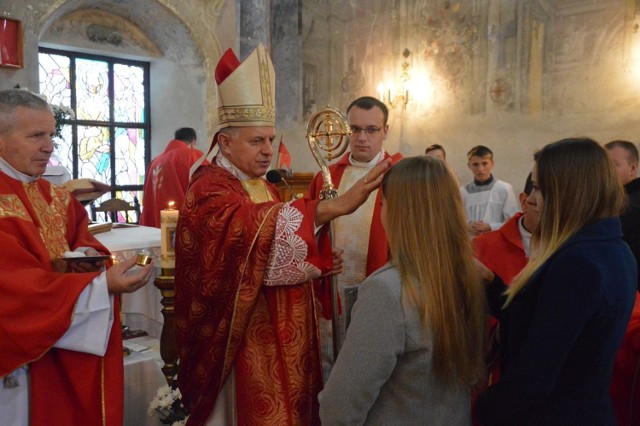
56, 175
525, 236
493, 204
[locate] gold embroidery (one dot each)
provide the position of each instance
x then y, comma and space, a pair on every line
257, 190
11, 206
52, 219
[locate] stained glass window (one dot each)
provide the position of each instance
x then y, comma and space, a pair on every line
108, 139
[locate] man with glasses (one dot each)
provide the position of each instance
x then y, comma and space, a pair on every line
359, 234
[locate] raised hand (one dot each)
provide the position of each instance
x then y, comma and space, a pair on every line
121, 280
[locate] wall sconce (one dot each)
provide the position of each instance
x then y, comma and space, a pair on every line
399, 96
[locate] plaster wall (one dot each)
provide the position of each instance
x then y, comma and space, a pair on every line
176, 37
509, 74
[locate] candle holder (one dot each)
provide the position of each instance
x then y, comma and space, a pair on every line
168, 349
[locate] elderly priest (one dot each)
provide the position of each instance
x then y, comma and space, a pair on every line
60, 335
245, 314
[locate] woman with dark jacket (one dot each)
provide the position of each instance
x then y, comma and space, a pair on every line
564, 316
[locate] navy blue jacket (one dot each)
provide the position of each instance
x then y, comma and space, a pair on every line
561, 333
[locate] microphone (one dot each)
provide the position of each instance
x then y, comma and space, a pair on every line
274, 177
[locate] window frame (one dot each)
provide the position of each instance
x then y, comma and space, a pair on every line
111, 124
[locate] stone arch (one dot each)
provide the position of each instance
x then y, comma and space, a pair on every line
180, 32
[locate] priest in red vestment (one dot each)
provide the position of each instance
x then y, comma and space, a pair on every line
60, 335
167, 177
360, 234
245, 314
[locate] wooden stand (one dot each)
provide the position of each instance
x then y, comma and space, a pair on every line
168, 349
299, 182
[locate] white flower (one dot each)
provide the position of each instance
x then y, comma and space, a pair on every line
163, 405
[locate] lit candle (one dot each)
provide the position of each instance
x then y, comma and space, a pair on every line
168, 222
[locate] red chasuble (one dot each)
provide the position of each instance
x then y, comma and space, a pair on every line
230, 315
38, 223
167, 180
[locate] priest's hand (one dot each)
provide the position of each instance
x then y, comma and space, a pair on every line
338, 262
81, 266
120, 280
355, 196
478, 227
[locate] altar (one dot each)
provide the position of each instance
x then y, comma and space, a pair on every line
141, 309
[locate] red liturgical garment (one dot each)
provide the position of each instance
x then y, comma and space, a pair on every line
244, 301
38, 223
167, 180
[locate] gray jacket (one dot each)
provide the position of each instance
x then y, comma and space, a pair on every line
383, 373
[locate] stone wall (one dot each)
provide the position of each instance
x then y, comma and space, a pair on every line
176, 37
510, 74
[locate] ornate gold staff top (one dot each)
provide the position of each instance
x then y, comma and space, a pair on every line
329, 131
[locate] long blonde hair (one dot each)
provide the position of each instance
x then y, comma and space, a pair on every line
579, 185
426, 228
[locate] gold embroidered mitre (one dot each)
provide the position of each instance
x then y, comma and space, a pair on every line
246, 91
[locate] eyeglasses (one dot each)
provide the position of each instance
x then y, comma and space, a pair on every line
369, 130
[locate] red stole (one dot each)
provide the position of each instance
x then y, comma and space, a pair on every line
67, 387
378, 250
167, 180
226, 317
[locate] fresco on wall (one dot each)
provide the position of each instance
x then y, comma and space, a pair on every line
470, 56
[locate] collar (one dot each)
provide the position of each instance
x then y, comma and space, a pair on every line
525, 236
633, 186
601, 229
485, 183
369, 164
8, 170
226, 164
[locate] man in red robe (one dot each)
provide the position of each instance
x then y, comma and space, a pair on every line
506, 252
245, 315
60, 333
167, 177
360, 234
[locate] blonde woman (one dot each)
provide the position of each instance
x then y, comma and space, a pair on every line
414, 346
564, 316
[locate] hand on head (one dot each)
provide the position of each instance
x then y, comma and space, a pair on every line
119, 281
354, 197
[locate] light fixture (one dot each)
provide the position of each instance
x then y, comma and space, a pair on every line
394, 96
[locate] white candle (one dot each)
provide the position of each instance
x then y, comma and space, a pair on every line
168, 222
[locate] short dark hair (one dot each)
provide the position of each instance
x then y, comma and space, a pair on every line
528, 185
186, 134
479, 151
435, 147
368, 102
630, 147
